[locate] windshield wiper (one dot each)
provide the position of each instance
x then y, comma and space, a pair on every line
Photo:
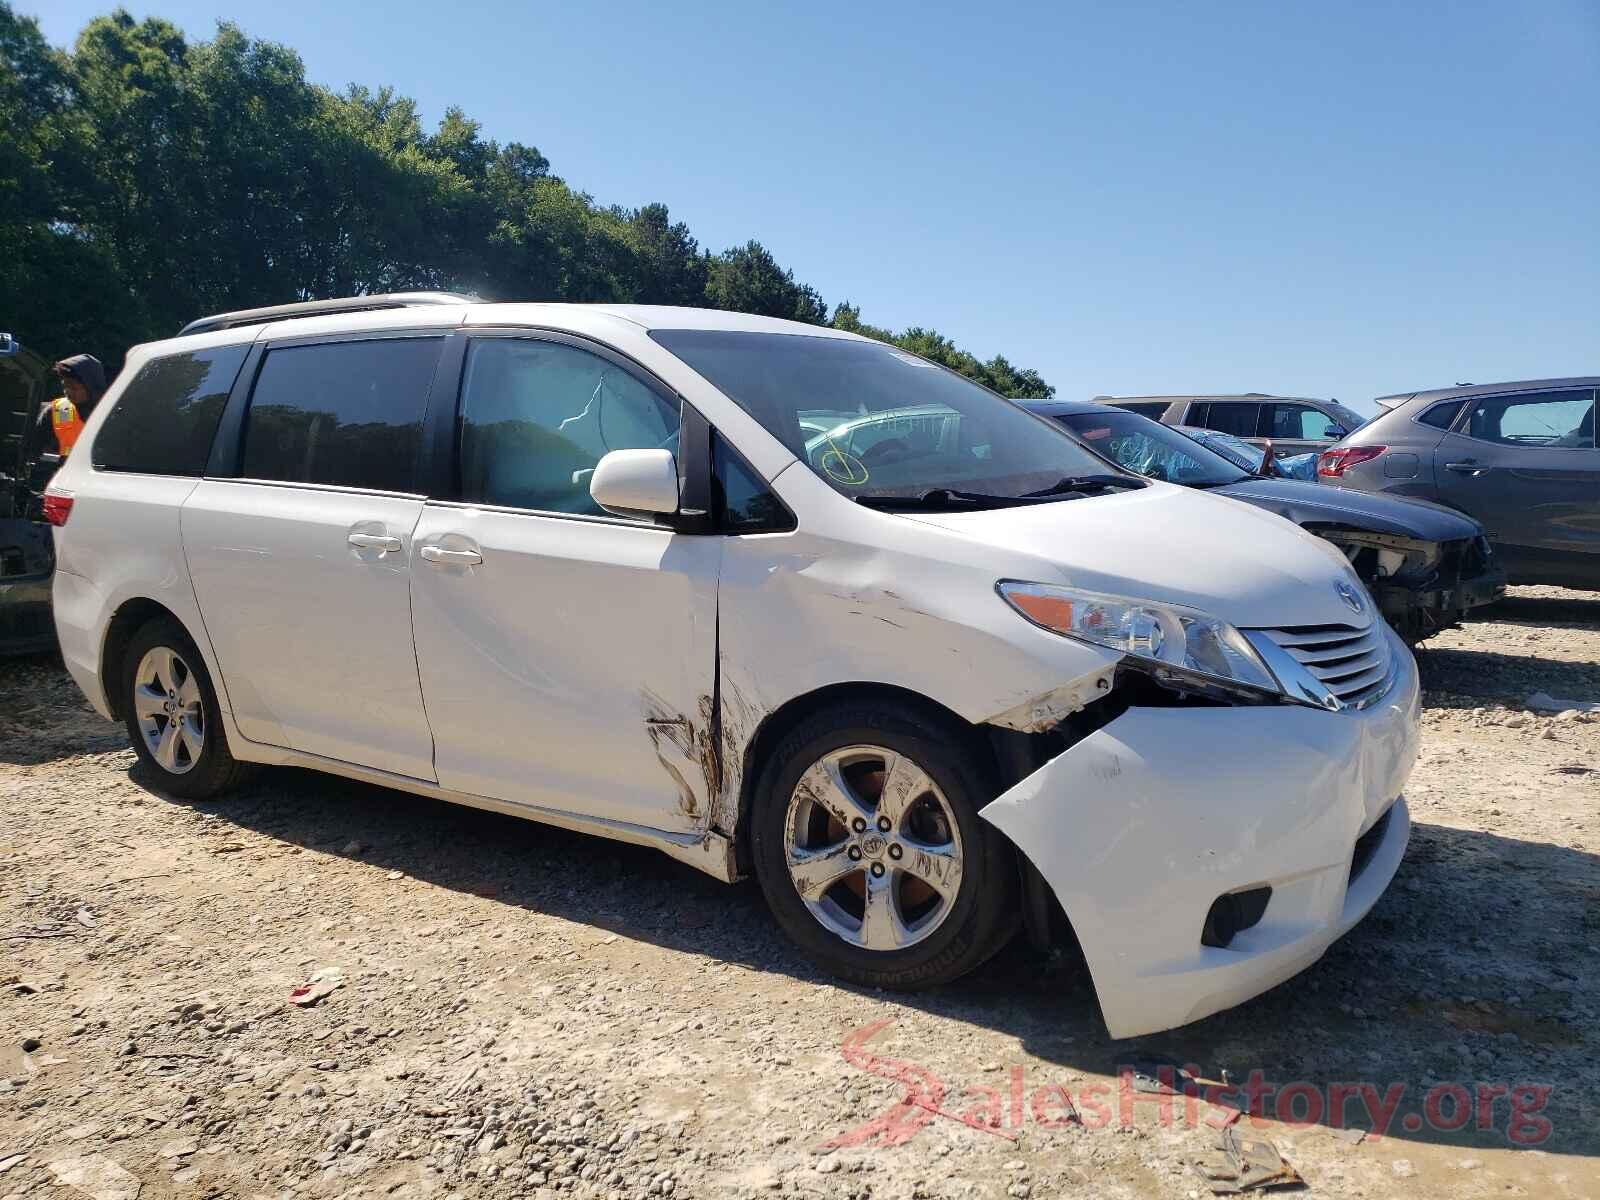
1085, 483
943, 498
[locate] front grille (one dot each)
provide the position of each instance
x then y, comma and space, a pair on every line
1351, 663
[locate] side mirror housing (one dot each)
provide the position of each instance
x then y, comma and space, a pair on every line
634, 482
1335, 432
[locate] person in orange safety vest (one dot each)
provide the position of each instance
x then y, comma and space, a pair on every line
84, 381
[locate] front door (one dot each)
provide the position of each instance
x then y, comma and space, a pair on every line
302, 563
567, 655
1526, 466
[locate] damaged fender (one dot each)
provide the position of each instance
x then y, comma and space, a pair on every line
1139, 827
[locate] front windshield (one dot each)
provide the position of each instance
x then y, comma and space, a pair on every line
873, 421
1151, 448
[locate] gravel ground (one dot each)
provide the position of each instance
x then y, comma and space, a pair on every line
525, 1012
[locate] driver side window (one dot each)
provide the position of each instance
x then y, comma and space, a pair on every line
536, 417
1297, 422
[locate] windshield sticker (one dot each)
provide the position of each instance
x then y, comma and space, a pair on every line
843, 467
911, 360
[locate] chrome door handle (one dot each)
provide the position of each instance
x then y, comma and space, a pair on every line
382, 543
450, 558
1465, 467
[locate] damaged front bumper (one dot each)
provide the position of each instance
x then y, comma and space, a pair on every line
1143, 826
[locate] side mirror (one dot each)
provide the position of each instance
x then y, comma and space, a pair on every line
1335, 432
631, 482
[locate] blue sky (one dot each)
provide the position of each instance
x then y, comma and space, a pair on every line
1334, 199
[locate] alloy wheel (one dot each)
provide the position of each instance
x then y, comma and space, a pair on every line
170, 710
873, 848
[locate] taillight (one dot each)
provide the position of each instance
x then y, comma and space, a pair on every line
1334, 463
57, 507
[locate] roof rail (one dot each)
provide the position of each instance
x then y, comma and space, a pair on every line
320, 308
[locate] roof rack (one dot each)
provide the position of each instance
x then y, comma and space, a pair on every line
320, 308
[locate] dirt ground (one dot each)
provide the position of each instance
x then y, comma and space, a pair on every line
527, 1012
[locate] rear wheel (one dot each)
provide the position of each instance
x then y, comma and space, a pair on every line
868, 845
172, 715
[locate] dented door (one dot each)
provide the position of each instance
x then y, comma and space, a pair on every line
567, 662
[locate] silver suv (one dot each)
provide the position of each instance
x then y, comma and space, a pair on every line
1293, 424
1520, 457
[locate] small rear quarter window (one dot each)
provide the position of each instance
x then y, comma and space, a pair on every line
164, 421
1442, 416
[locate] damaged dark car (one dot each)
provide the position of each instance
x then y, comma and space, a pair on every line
27, 554
1425, 565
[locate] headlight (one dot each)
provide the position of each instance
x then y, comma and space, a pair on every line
1178, 637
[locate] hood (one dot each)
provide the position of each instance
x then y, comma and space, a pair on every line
1181, 546
1317, 504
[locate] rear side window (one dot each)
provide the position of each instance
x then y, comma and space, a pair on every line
165, 419
1237, 419
344, 413
1442, 416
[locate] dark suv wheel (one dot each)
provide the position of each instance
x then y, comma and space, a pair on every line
868, 846
172, 715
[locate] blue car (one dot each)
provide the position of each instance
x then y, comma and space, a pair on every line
1252, 457
1425, 565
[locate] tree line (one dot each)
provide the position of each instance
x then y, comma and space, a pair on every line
146, 179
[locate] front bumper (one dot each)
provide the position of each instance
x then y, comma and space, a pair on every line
1139, 827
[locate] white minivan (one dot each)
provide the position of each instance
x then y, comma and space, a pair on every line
773, 598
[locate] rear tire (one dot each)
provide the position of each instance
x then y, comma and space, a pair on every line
172, 714
867, 843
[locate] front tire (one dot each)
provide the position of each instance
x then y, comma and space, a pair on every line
172, 714
867, 843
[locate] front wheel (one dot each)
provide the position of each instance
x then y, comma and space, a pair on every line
868, 846
172, 715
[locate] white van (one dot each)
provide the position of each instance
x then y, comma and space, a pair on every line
771, 598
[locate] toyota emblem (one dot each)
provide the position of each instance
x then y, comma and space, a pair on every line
1351, 596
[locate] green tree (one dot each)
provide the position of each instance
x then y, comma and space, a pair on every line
145, 179
748, 279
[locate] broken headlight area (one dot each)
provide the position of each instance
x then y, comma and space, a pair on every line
1420, 586
1380, 557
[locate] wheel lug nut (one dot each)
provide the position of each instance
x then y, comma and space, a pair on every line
855, 853
858, 825
883, 824
877, 869
895, 851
